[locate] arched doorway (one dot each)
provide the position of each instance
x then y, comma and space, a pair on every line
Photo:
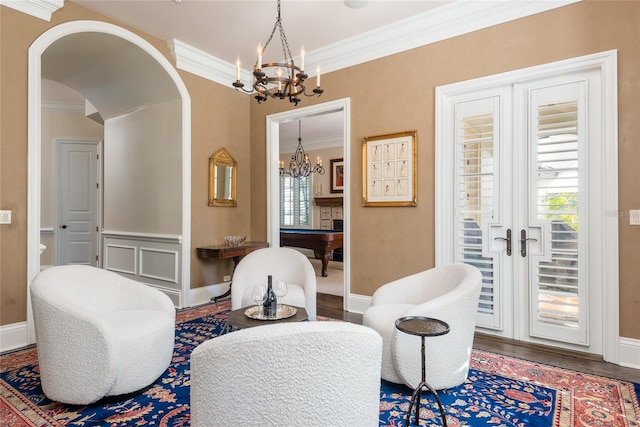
118, 95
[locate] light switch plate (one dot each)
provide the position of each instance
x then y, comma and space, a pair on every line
5, 217
634, 217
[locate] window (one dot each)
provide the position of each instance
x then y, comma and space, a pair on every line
295, 202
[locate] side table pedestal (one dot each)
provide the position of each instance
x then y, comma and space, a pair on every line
422, 327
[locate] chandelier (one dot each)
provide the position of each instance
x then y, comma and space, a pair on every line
300, 166
278, 79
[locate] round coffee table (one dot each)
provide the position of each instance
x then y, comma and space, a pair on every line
236, 319
422, 327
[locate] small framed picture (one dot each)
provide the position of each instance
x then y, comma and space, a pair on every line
389, 169
337, 175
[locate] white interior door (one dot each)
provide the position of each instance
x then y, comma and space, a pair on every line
77, 202
527, 205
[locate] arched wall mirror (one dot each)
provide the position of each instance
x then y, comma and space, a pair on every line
222, 179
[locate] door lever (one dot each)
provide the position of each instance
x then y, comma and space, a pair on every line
507, 239
523, 242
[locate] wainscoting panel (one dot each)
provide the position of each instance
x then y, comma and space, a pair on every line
159, 264
147, 258
120, 258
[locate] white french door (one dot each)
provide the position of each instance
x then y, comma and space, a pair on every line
526, 205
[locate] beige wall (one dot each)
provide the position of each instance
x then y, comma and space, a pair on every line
143, 170
396, 94
387, 95
58, 125
219, 118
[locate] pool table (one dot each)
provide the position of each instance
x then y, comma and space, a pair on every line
322, 242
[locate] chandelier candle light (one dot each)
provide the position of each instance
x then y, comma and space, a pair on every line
300, 166
278, 79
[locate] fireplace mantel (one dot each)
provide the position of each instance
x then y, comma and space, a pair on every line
328, 201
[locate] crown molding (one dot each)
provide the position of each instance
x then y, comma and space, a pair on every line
450, 20
200, 63
63, 107
42, 9
310, 144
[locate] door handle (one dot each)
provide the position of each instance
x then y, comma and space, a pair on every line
507, 239
63, 226
523, 242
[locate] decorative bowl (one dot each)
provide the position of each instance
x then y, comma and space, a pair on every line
234, 240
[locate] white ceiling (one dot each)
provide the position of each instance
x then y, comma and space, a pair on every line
317, 132
232, 29
116, 76
228, 29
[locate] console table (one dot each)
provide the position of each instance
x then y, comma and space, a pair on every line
233, 252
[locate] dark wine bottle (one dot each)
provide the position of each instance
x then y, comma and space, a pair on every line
270, 301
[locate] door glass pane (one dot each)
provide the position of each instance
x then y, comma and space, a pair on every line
476, 199
557, 204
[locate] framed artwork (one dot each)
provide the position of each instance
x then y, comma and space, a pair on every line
337, 175
389, 169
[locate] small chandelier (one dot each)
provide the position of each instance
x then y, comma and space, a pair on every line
278, 79
300, 166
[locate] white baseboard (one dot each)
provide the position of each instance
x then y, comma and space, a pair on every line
13, 336
204, 294
358, 303
629, 353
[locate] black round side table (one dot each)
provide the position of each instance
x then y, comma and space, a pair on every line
422, 327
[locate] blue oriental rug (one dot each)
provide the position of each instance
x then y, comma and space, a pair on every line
500, 391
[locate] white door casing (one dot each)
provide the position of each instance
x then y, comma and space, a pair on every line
513, 96
273, 177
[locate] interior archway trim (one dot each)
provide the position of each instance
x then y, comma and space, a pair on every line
34, 155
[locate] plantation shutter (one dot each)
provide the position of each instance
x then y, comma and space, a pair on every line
476, 142
557, 288
295, 202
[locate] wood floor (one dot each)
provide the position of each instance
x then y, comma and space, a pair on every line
331, 306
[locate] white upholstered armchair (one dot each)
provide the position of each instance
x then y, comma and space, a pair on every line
98, 333
312, 374
283, 264
449, 293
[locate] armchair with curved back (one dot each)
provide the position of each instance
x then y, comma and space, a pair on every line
283, 264
98, 333
320, 374
450, 293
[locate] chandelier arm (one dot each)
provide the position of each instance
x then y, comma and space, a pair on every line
290, 85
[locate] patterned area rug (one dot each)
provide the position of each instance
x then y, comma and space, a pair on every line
500, 391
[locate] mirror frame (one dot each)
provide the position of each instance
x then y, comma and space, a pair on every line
222, 158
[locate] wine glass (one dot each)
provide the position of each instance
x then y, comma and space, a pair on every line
281, 290
257, 295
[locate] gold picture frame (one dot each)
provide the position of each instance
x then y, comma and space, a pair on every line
389, 170
223, 179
